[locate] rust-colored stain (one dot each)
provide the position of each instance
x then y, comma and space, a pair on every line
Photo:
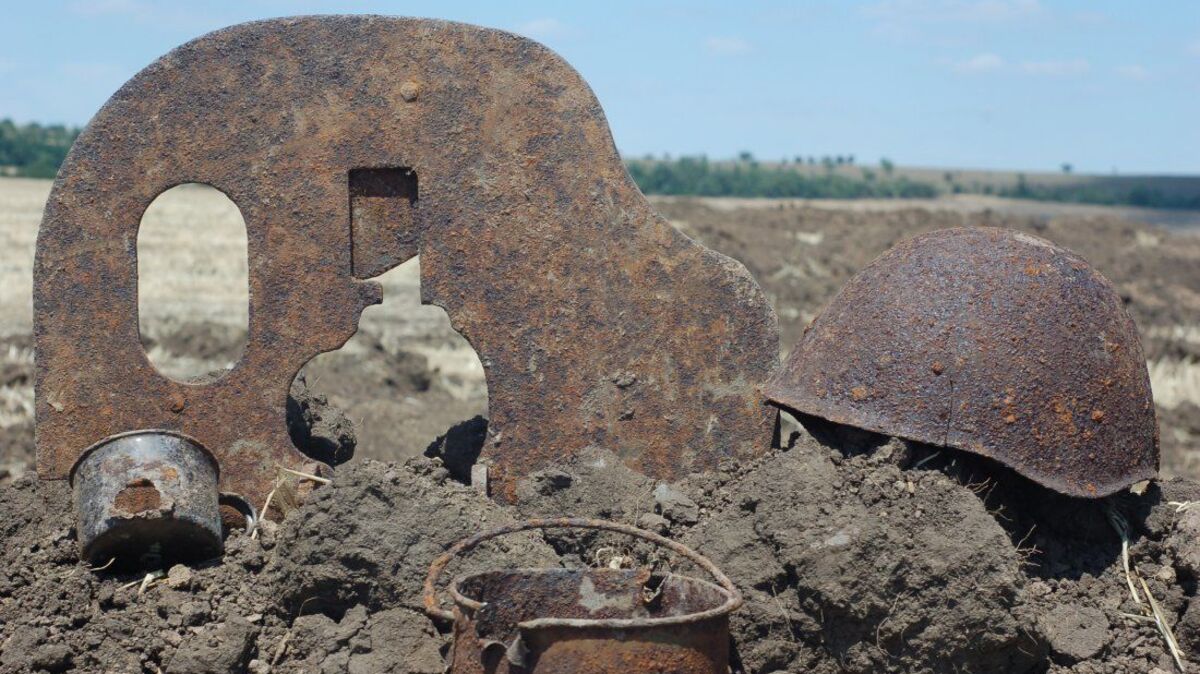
232, 519
351, 144
138, 496
1029, 359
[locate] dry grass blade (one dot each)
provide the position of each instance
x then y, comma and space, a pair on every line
927, 459
262, 514
101, 568
281, 648
1161, 620
1139, 618
307, 476
144, 582
148, 580
1117, 520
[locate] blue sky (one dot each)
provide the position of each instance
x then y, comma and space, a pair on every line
1023, 84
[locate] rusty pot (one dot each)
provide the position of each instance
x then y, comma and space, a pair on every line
593, 621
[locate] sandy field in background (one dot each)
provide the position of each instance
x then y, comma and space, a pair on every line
406, 376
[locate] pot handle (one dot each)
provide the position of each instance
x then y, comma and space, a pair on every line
435, 570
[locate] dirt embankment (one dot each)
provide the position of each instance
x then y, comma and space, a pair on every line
857, 553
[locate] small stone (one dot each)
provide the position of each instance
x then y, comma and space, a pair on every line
624, 379
1166, 574
675, 505
257, 666
1038, 589
1184, 542
221, 650
655, 523
52, 658
267, 529
550, 481
170, 637
1075, 633
193, 612
179, 577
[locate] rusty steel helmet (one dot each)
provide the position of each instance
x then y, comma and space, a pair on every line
990, 341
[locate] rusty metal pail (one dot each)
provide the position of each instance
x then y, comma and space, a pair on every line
593, 621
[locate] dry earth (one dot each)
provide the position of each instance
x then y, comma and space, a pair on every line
857, 553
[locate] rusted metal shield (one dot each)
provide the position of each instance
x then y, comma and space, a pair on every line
991, 341
351, 144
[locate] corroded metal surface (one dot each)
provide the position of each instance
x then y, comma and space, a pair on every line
146, 498
593, 621
351, 144
991, 341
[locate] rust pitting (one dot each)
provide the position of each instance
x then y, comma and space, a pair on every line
138, 496
1017, 374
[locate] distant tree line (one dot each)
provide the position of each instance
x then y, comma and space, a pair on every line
36, 151
748, 178
1105, 192
841, 178
33, 150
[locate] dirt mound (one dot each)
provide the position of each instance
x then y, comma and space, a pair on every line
859, 563
857, 553
336, 587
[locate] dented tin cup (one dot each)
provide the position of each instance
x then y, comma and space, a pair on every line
145, 499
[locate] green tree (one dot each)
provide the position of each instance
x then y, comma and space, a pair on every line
32, 149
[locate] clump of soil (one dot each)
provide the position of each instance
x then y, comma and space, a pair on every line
856, 565
316, 428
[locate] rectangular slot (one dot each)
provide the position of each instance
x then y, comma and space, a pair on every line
383, 230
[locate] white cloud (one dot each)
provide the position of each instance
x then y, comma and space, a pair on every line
1056, 68
980, 63
1133, 72
727, 46
543, 29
